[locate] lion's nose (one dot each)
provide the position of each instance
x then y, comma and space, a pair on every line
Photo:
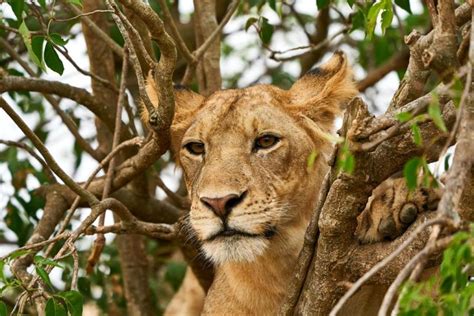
222, 206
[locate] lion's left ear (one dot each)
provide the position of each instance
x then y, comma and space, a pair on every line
187, 103
321, 93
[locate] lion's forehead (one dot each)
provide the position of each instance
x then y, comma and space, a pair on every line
240, 112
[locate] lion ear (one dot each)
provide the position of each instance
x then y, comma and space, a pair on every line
321, 93
187, 103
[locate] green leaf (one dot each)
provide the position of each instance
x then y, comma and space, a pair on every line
446, 161
42, 3
174, 274
76, 2
52, 59
372, 18
3, 309
410, 172
37, 47
416, 134
74, 302
250, 22
322, 4
272, 4
44, 276
311, 159
435, 113
266, 31
57, 39
350, 164
350, 2
55, 308
2, 275
84, 286
404, 117
47, 262
17, 8
346, 161
18, 253
404, 4
49, 309
387, 17
26, 36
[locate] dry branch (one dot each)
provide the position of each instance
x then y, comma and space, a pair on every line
413, 83
163, 71
81, 96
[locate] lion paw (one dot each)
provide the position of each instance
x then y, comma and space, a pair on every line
392, 209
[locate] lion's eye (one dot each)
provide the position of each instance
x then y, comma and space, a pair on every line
195, 148
266, 141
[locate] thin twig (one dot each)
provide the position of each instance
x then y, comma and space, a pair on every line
415, 274
136, 39
181, 201
310, 48
100, 239
63, 50
86, 195
202, 49
38, 245
97, 30
131, 118
137, 141
82, 15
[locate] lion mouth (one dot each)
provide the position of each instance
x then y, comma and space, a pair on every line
230, 232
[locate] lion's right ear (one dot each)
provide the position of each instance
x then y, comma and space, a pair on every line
320, 94
187, 103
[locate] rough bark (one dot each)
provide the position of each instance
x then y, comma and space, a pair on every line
208, 70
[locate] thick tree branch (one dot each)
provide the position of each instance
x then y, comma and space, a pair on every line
81, 96
346, 199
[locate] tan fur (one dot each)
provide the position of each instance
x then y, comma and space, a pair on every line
189, 299
391, 209
281, 190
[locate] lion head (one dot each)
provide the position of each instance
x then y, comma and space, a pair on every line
247, 156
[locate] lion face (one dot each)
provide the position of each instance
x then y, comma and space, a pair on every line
245, 153
244, 161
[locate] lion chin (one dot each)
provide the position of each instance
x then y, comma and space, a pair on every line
238, 249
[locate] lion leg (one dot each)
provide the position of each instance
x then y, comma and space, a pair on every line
391, 209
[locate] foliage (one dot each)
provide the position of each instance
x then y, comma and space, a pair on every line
449, 293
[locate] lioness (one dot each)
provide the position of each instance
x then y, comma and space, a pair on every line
244, 154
